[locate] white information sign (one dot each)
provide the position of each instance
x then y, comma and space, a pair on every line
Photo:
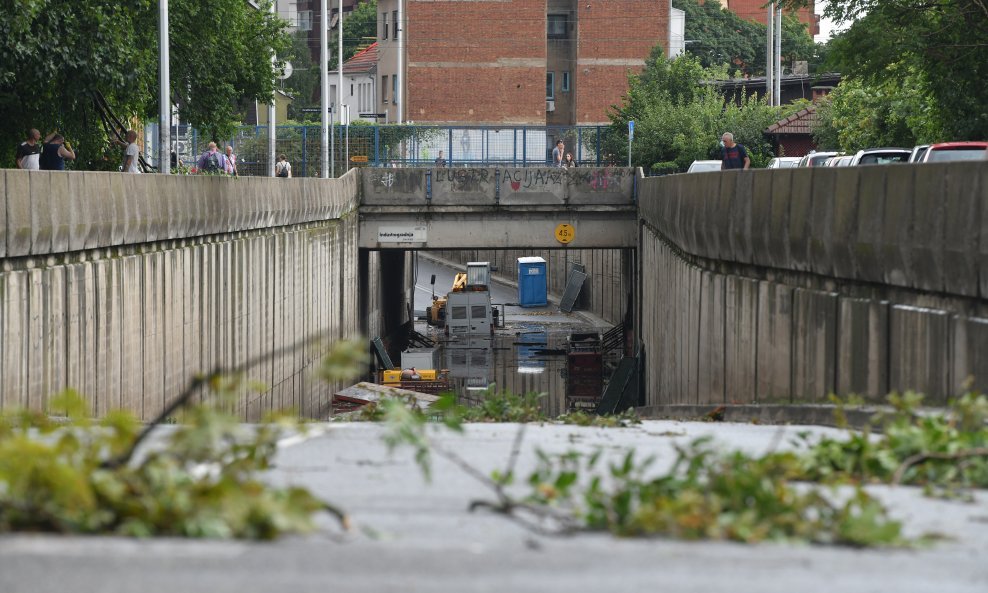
402, 234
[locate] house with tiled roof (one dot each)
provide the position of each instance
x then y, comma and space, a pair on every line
793, 135
359, 88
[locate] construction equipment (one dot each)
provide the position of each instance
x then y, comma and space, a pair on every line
422, 381
436, 314
466, 309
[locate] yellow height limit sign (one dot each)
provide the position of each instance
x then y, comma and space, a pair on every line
565, 233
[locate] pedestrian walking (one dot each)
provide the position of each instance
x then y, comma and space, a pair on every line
568, 162
231, 161
732, 155
212, 161
440, 161
282, 168
29, 151
54, 153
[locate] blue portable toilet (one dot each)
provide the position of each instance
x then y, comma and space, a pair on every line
532, 287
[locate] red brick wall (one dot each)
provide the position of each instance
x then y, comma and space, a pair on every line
476, 35
620, 32
755, 10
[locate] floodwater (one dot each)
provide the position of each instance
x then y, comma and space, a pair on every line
527, 355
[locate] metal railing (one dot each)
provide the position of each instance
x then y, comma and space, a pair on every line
396, 146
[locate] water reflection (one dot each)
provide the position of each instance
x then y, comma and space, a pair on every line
522, 359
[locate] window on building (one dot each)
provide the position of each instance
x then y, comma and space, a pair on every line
384, 89
565, 82
556, 26
384, 30
351, 89
394, 89
550, 85
394, 20
304, 21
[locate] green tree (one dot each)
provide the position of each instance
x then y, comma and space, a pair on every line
719, 36
680, 118
303, 84
359, 29
893, 112
55, 55
945, 42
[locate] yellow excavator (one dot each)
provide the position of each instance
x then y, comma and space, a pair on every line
436, 314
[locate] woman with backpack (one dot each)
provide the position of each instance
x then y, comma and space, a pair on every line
282, 168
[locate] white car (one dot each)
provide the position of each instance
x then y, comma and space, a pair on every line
703, 166
783, 162
881, 156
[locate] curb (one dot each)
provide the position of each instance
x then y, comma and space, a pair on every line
810, 414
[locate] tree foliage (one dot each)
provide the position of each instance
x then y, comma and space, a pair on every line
719, 36
894, 111
680, 118
56, 54
944, 42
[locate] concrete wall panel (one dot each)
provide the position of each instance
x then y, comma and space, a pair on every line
740, 333
868, 262
711, 366
740, 225
927, 241
774, 346
919, 352
800, 218
782, 198
814, 348
761, 219
41, 206
982, 254
821, 237
862, 354
896, 245
845, 222
18, 213
61, 212
3, 217
970, 360
962, 226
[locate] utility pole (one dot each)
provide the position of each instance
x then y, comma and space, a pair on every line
324, 84
164, 92
778, 56
770, 57
272, 133
399, 41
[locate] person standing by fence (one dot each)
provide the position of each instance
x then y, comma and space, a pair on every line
231, 161
282, 168
54, 154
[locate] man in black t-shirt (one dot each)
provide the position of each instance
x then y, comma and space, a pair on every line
733, 156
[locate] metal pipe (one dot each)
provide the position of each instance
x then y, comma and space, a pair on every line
164, 89
400, 38
272, 133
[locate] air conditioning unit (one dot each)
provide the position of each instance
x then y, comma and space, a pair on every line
550, 105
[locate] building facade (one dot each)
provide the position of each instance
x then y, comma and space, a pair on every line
514, 62
359, 87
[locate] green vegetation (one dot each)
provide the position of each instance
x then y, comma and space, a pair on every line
679, 118
945, 452
934, 53
718, 36
200, 479
709, 494
56, 55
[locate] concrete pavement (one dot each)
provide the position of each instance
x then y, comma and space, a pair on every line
413, 536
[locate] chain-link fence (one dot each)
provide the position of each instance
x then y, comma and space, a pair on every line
395, 146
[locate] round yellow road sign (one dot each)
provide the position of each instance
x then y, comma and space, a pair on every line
565, 233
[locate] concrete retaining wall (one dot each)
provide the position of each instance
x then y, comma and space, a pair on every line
124, 286
789, 285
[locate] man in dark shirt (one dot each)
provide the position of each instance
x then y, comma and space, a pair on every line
733, 156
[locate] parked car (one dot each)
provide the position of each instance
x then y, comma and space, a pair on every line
783, 162
918, 153
702, 166
880, 156
842, 161
815, 159
955, 151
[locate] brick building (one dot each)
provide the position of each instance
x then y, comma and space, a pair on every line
534, 62
755, 10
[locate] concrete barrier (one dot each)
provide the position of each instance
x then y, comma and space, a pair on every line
125, 286
785, 286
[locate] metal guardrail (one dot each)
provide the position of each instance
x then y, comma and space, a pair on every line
395, 146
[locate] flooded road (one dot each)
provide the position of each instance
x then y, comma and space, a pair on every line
527, 354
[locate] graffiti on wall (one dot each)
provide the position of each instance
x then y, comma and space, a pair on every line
531, 179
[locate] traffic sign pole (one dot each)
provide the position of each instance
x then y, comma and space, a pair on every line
631, 136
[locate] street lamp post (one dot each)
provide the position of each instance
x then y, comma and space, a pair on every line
324, 85
164, 99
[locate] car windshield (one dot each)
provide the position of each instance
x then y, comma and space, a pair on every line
879, 158
816, 161
956, 154
700, 166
